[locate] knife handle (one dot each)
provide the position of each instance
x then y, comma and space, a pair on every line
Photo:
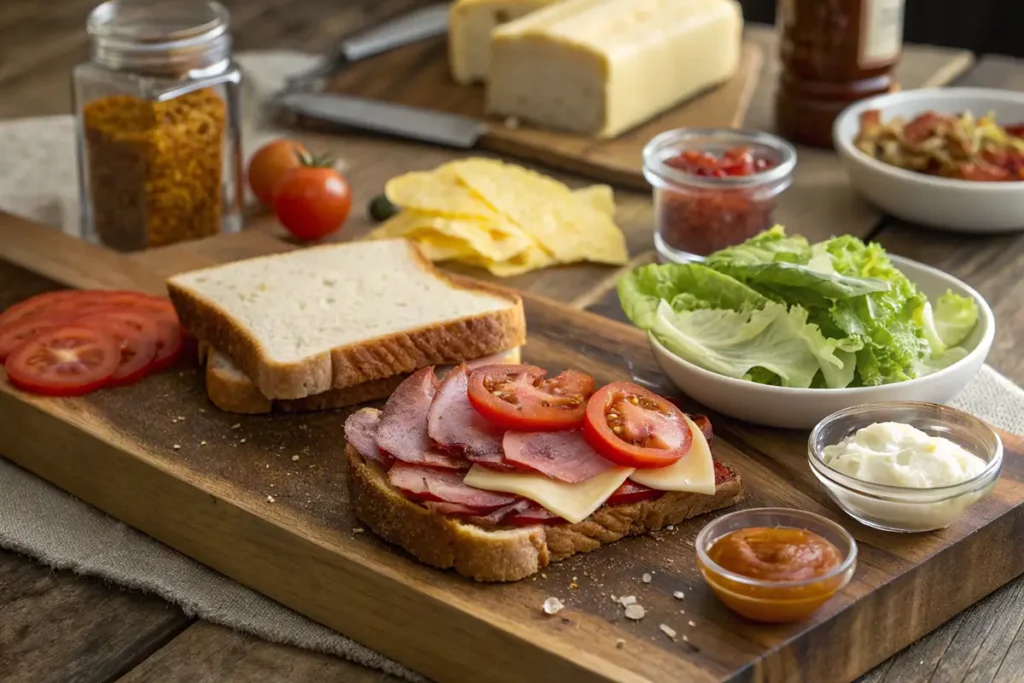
417, 25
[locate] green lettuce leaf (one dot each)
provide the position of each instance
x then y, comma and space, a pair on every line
955, 318
767, 247
685, 287
744, 344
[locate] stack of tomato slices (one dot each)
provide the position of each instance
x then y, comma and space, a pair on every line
72, 342
513, 418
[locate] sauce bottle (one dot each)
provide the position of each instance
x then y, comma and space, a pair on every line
833, 52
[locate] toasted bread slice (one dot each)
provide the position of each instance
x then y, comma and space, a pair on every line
232, 391
510, 554
333, 317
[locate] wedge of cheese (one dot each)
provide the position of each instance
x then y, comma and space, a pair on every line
600, 67
470, 23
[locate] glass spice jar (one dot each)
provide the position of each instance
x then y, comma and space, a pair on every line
158, 124
713, 188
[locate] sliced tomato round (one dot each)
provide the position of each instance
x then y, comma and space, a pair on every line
40, 305
631, 492
65, 361
21, 331
634, 427
136, 333
522, 397
169, 341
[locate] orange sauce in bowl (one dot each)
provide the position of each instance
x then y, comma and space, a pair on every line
792, 570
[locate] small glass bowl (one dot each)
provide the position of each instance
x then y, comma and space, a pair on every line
775, 601
697, 215
899, 508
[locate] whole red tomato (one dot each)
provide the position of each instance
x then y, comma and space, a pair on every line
312, 201
269, 164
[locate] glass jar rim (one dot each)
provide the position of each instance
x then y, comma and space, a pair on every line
906, 494
654, 161
172, 37
702, 545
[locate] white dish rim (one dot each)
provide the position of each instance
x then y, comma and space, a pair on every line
847, 147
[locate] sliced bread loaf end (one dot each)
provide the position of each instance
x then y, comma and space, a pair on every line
335, 316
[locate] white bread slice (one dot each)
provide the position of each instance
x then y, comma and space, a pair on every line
232, 391
332, 317
510, 554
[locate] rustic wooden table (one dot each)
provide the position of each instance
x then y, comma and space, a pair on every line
55, 626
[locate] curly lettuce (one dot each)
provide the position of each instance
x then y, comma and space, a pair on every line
775, 308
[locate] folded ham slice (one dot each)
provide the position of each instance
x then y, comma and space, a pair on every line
454, 424
361, 432
432, 483
403, 424
564, 456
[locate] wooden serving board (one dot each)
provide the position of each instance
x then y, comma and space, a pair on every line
418, 75
227, 491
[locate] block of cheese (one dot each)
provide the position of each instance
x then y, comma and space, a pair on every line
470, 23
601, 67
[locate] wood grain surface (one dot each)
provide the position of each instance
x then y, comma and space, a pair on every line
39, 43
233, 498
418, 75
55, 627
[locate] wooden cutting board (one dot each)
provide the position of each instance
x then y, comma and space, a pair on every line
228, 491
418, 75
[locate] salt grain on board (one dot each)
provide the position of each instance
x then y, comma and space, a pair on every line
668, 630
627, 600
553, 606
635, 612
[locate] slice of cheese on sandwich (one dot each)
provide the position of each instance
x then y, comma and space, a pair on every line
694, 473
573, 502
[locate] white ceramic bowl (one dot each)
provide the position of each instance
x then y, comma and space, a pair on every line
936, 202
804, 408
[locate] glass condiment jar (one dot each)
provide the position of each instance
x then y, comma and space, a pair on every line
776, 600
158, 124
833, 52
696, 215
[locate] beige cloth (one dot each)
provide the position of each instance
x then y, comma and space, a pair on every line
42, 521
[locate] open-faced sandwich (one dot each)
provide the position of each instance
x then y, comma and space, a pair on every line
498, 471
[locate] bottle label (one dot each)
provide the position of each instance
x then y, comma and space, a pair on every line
881, 35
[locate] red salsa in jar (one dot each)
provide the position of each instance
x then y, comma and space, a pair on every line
714, 188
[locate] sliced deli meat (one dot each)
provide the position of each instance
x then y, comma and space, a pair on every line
432, 483
402, 431
454, 425
361, 432
564, 456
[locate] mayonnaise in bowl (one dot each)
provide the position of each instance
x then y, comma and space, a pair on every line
905, 466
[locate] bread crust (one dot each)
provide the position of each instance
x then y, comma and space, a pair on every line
341, 368
511, 554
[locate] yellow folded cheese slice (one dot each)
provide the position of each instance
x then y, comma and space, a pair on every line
573, 502
693, 473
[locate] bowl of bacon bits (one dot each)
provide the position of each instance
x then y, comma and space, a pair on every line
949, 158
714, 188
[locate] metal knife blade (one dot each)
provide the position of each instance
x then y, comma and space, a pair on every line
399, 120
414, 26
